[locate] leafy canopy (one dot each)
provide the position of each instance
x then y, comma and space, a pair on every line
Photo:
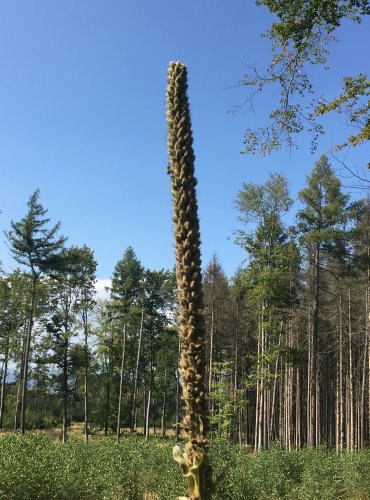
300, 38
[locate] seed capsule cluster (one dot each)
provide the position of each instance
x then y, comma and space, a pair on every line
187, 242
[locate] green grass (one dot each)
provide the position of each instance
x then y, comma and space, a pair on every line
36, 467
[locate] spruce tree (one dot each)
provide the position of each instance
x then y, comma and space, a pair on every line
320, 222
192, 366
126, 290
35, 246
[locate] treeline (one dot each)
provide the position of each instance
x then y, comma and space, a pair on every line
288, 355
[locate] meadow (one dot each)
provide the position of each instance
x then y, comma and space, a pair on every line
38, 467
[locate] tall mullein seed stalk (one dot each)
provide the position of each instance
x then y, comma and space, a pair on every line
192, 366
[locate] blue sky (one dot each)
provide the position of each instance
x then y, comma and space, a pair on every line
82, 117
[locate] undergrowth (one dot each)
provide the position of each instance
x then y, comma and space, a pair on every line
35, 467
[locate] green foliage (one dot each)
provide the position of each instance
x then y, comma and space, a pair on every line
325, 209
127, 281
226, 399
254, 200
31, 242
33, 467
349, 102
300, 37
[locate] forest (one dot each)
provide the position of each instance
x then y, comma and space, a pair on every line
188, 381
286, 337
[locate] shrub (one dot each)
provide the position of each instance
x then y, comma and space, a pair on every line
35, 467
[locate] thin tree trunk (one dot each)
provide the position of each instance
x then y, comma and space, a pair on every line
262, 393
210, 364
153, 416
273, 402
65, 391
108, 390
350, 444
337, 431
164, 403
3, 382
134, 399
298, 411
118, 431
86, 371
17, 408
257, 414
309, 378
318, 420
27, 356
147, 414
144, 408
152, 353
314, 335
341, 405
366, 421
236, 429
107, 407
363, 384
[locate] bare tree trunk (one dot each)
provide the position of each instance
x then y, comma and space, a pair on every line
107, 407
337, 431
147, 414
108, 387
318, 415
27, 356
350, 444
118, 432
144, 408
258, 391
3, 382
236, 429
314, 351
152, 354
288, 399
17, 408
341, 405
262, 404
273, 402
298, 441
134, 398
65, 391
19, 385
86, 371
210, 364
309, 370
153, 416
237, 406
164, 403
363, 385
366, 421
